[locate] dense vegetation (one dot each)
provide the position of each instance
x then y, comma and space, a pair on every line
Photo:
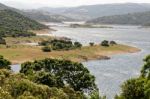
142, 18
93, 11
61, 44
17, 86
14, 24
44, 16
47, 79
138, 88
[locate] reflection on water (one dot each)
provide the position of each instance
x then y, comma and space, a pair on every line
111, 73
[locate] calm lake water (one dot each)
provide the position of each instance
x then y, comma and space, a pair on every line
110, 74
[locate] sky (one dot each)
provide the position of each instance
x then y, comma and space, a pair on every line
32, 4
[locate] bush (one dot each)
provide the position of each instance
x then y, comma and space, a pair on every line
4, 64
91, 43
77, 44
113, 43
2, 41
46, 49
44, 43
105, 43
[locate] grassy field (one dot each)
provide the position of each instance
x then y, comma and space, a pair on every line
20, 40
22, 53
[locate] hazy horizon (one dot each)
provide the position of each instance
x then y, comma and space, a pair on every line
33, 4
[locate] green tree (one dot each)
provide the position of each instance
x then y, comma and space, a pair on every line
113, 43
145, 72
91, 43
17, 86
77, 44
105, 43
4, 64
62, 72
133, 89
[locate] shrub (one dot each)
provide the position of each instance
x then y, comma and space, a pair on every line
2, 41
77, 44
113, 43
46, 49
105, 43
91, 43
4, 64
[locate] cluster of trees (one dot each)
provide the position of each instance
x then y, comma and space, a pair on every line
107, 43
17, 86
59, 45
138, 88
15, 25
47, 79
63, 79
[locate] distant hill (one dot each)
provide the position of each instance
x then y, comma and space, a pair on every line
94, 11
39, 15
14, 24
142, 18
44, 16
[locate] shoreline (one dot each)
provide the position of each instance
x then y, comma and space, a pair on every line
87, 53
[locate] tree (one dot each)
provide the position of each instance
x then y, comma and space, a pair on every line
4, 64
17, 86
61, 73
77, 44
145, 72
105, 43
113, 43
91, 44
133, 89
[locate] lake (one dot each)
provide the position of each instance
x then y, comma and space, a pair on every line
110, 74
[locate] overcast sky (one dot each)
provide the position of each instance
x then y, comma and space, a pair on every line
27, 4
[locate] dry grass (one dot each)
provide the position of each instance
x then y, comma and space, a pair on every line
20, 53
20, 40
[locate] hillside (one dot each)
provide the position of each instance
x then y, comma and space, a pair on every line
142, 18
94, 11
45, 16
15, 24
2, 7
39, 15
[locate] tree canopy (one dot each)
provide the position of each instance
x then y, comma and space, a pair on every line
54, 72
4, 63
